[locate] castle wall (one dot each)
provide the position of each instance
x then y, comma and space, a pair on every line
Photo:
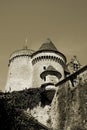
43, 60
19, 74
52, 79
69, 107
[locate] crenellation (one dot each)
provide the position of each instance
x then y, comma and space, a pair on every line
52, 58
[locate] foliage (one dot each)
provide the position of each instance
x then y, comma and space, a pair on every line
12, 105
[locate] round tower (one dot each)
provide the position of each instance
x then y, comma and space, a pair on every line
20, 70
46, 56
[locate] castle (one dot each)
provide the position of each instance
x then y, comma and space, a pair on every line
28, 68
60, 101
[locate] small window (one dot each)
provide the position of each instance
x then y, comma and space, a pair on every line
44, 78
44, 67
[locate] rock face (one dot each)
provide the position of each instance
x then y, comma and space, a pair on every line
40, 109
69, 108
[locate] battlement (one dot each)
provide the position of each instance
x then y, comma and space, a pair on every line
20, 53
48, 57
51, 52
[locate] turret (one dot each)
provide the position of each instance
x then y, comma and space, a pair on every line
20, 70
50, 75
46, 56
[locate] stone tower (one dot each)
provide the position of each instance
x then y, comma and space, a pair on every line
20, 70
49, 65
34, 69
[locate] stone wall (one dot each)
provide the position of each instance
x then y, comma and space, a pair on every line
19, 74
45, 61
69, 108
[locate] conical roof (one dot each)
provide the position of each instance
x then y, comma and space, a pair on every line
51, 68
48, 45
50, 71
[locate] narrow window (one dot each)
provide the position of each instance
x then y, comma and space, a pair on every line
44, 78
44, 67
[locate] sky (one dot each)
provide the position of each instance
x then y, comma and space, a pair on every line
63, 21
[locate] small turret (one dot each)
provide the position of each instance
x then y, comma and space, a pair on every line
48, 74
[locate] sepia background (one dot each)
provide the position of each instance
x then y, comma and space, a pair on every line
63, 21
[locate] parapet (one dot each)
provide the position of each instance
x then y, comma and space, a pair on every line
48, 57
20, 53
